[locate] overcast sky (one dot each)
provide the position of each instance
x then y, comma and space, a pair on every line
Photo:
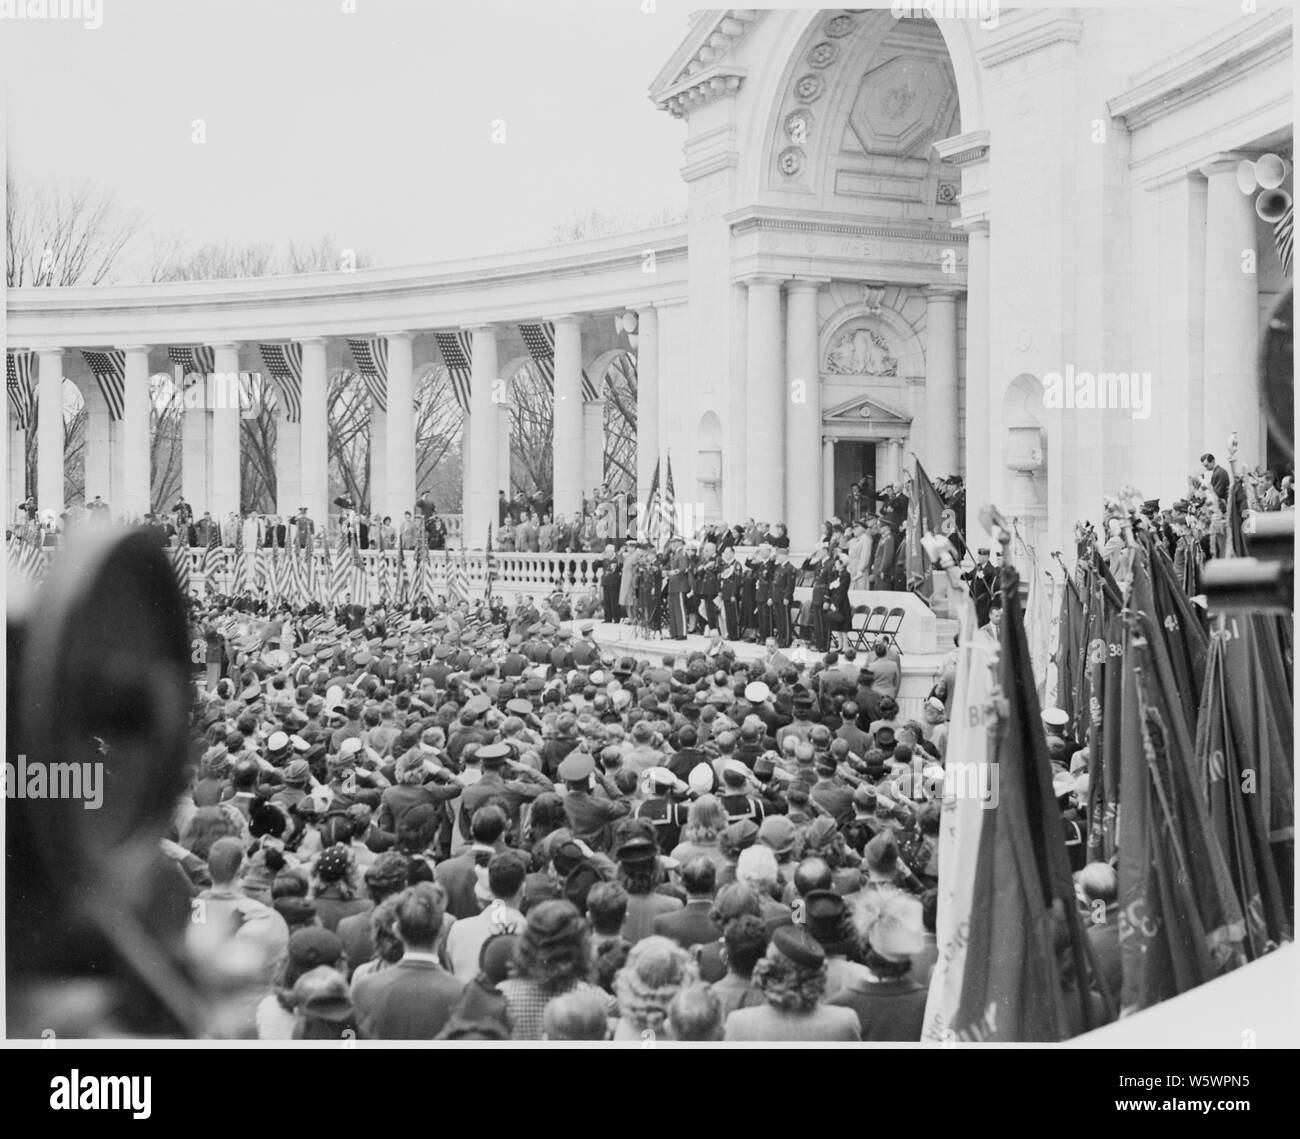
375, 127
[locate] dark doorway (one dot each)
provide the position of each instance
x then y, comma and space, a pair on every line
854, 462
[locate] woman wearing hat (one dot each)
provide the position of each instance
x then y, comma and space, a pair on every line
792, 979
839, 613
889, 1005
335, 891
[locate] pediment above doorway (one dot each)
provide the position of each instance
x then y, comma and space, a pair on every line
863, 411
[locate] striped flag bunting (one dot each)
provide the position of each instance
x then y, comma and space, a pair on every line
669, 505
25, 560
652, 522
240, 582
340, 577
403, 597
309, 576
371, 358
489, 568
360, 581
109, 370
199, 360
214, 563
1282, 237
181, 567
457, 350
539, 339
457, 582
284, 363
20, 387
385, 576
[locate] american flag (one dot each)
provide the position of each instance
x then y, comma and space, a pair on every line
403, 580
267, 567
360, 580
651, 521
371, 357
539, 339
239, 583
457, 583
669, 506
385, 576
109, 370
26, 560
20, 387
1282, 236
181, 566
284, 362
214, 563
489, 568
198, 360
457, 350
340, 578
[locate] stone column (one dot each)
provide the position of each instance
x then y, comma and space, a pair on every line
735, 493
481, 499
593, 446
941, 453
647, 399
49, 431
315, 489
99, 448
224, 473
136, 464
400, 428
288, 463
568, 437
830, 507
378, 461
768, 396
804, 510
1232, 401
504, 411
194, 444
979, 486
17, 481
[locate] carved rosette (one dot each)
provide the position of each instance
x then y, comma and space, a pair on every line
823, 55
790, 161
809, 88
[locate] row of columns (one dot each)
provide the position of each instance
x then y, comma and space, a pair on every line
788, 469
118, 452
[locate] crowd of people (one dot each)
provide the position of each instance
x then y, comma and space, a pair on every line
486, 825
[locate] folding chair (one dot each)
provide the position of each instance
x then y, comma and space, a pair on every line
872, 627
893, 623
858, 629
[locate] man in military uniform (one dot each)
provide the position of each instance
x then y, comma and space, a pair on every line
783, 578
589, 817
663, 808
679, 586
729, 575
707, 586
983, 581
611, 581
763, 603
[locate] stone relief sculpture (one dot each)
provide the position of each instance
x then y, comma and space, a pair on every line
861, 352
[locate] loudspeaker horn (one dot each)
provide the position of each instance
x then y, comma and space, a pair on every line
1272, 205
1270, 171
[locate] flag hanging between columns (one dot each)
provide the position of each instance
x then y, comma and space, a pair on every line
371, 358
109, 370
539, 339
284, 362
457, 350
20, 387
